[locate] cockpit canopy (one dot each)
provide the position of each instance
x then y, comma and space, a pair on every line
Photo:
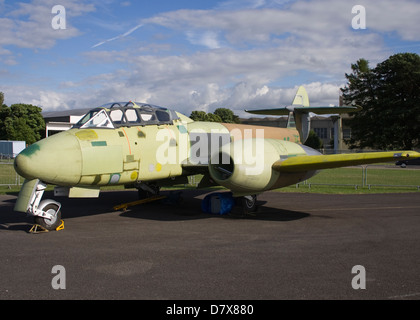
126, 114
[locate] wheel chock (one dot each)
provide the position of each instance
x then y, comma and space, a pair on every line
60, 227
36, 228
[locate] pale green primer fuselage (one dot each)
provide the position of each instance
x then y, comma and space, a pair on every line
147, 147
129, 154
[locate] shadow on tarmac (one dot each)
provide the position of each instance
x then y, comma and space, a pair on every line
189, 208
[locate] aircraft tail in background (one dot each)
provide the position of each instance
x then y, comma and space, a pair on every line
299, 110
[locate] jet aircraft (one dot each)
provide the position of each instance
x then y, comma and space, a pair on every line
147, 147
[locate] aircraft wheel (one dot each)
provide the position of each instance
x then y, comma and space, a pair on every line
249, 204
48, 224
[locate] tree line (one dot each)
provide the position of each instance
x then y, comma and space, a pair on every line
219, 115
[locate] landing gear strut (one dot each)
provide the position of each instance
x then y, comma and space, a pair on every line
146, 190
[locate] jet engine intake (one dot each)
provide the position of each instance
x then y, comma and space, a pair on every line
244, 166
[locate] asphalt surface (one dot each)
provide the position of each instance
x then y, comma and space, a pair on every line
298, 246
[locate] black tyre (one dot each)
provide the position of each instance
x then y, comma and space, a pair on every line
48, 224
249, 205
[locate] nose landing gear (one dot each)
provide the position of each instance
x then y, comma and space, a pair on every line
47, 213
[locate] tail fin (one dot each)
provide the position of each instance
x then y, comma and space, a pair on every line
299, 111
301, 98
300, 120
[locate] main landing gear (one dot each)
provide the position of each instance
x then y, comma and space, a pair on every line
249, 204
147, 190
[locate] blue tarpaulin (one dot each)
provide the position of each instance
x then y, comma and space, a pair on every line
218, 203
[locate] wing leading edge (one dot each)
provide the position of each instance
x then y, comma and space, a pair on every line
319, 162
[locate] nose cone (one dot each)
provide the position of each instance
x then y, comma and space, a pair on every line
56, 160
23, 164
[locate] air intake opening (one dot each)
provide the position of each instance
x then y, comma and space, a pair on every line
222, 166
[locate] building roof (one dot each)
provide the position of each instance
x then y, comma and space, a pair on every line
65, 113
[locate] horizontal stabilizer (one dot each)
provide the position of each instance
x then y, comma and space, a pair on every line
318, 110
319, 162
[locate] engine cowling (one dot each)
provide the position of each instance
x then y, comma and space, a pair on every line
245, 166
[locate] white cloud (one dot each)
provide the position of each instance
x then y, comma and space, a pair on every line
400, 17
208, 39
245, 53
251, 4
303, 19
268, 44
49, 99
29, 26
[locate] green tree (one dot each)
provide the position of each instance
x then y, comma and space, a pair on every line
1, 98
227, 115
198, 115
211, 117
313, 141
389, 95
220, 115
23, 122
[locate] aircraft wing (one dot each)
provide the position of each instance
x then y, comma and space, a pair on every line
319, 162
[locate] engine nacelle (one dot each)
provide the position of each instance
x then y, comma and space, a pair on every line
245, 166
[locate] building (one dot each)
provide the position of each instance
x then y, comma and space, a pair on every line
57, 121
324, 127
10, 149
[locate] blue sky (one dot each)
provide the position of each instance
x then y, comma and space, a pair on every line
193, 55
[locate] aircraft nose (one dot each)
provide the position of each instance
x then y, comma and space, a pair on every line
22, 166
56, 160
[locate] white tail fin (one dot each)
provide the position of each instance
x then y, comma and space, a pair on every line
300, 120
301, 98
